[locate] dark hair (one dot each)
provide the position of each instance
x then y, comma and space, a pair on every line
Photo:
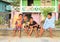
25, 15
31, 17
50, 14
20, 14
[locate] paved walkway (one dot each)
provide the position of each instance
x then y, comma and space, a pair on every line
24, 39
6, 36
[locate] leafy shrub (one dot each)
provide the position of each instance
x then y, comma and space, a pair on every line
58, 22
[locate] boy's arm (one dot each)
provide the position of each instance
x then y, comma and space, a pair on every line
45, 21
16, 23
53, 16
35, 24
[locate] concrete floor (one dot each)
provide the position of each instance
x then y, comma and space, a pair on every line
24, 39
23, 34
6, 36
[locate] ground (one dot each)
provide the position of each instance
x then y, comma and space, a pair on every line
24, 39
6, 36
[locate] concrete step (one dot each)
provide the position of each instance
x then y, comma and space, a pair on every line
17, 39
23, 29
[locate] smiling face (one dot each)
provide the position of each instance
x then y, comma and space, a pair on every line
31, 20
49, 16
20, 16
25, 18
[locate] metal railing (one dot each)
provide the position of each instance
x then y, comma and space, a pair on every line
35, 8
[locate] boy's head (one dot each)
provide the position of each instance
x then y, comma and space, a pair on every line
49, 15
25, 17
31, 19
20, 16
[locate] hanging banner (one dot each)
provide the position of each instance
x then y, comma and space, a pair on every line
30, 9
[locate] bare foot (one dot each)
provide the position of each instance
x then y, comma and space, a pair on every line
19, 36
51, 36
29, 36
36, 36
13, 35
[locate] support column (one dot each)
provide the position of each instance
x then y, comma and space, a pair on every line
56, 6
20, 6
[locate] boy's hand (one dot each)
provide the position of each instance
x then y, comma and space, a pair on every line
36, 25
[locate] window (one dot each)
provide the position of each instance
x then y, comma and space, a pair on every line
59, 0
46, 2
37, 2
30, 2
24, 2
59, 16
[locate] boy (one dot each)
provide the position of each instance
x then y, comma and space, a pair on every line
48, 24
33, 26
18, 25
25, 24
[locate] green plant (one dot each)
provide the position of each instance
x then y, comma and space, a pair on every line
1, 19
15, 2
58, 22
46, 11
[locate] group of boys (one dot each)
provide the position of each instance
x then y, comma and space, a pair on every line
30, 25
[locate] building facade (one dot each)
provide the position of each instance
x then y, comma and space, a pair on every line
4, 5
37, 6
40, 4
34, 8
59, 9
5, 12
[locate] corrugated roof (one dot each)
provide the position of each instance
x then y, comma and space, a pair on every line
5, 2
5, 13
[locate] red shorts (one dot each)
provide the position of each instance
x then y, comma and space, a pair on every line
18, 28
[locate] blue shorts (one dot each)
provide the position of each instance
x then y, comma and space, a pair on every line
48, 26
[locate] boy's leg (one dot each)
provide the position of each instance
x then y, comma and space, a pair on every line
50, 30
19, 32
26, 30
31, 30
36, 32
14, 33
41, 31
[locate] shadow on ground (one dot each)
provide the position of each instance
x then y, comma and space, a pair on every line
23, 34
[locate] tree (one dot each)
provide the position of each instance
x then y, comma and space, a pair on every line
46, 11
15, 2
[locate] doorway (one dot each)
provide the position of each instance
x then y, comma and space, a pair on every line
29, 2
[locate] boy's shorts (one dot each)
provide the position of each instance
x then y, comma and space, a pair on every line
17, 29
26, 26
34, 26
49, 26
